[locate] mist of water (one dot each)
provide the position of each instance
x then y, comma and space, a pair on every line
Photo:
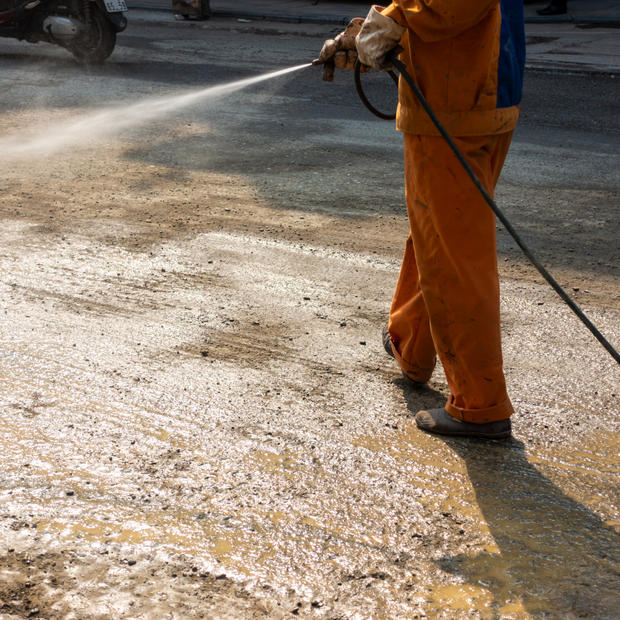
50, 139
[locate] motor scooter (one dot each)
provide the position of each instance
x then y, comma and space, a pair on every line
87, 28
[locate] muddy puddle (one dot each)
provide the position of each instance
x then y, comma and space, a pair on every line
197, 415
298, 471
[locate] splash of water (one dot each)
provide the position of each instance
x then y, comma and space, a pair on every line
47, 140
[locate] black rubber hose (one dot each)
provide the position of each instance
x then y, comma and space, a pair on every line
362, 95
472, 175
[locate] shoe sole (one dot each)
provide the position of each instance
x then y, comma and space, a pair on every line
411, 383
505, 435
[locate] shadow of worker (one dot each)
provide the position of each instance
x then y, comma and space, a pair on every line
555, 557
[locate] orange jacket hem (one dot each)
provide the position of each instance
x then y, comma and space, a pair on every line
472, 123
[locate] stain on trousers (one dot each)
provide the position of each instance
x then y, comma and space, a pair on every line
446, 302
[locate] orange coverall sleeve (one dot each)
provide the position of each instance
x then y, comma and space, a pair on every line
434, 20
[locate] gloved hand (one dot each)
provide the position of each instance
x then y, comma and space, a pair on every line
341, 52
378, 36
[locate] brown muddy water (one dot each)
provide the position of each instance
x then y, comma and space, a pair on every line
197, 418
221, 402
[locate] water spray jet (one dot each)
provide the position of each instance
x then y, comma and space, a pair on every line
71, 134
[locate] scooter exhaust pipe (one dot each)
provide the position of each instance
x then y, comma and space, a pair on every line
64, 28
472, 175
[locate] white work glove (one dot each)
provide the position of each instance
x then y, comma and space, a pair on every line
379, 35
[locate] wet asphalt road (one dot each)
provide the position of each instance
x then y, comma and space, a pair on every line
197, 416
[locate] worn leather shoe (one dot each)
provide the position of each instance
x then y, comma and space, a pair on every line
555, 8
441, 422
387, 345
387, 342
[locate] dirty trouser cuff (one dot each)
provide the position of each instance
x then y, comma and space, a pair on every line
413, 371
480, 416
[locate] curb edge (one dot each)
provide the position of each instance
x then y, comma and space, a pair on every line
592, 21
280, 17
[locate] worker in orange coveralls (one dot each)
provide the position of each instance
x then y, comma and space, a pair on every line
467, 57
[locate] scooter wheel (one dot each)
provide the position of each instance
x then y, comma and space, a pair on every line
97, 42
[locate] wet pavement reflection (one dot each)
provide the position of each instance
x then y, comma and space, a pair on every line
197, 416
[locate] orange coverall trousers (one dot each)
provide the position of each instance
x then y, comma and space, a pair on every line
446, 302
